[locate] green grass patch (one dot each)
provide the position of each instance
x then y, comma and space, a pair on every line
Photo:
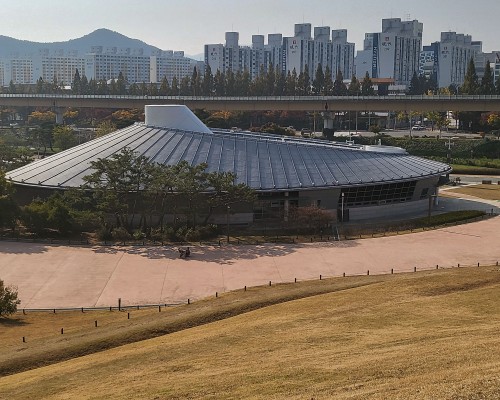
448, 218
474, 170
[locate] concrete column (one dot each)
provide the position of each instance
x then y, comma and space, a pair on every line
287, 207
328, 120
59, 115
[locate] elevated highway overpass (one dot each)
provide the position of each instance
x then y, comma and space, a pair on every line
261, 103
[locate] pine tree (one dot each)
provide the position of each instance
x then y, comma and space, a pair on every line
164, 87
339, 88
367, 86
487, 83
230, 83
291, 83
219, 84
175, 86
318, 85
414, 88
121, 84
280, 81
354, 87
75, 87
471, 81
208, 82
328, 87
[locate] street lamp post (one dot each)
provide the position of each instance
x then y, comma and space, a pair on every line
342, 209
227, 223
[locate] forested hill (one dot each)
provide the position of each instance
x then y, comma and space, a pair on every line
101, 37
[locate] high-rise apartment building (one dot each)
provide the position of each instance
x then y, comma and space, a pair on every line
101, 63
393, 53
327, 48
448, 59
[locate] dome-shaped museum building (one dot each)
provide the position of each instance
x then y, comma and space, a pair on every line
360, 182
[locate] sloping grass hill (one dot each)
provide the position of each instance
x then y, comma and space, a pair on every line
426, 335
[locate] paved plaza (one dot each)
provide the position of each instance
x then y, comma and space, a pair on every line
50, 276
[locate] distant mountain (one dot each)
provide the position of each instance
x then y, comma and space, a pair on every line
100, 37
197, 57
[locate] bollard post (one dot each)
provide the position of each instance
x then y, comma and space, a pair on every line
128, 315
245, 288
82, 309
159, 308
119, 303
368, 272
95, 323
62, 331
497, 263
24, 311
320, 277
54, 310
110, 308
295, 280
343, 274
216, 294
189, 301
392, 271
478, 264
24, 339
137, 308
269, 283
437, 266
458, 265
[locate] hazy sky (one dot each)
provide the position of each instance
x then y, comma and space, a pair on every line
189, 24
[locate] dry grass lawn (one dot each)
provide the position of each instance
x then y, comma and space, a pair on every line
488, 192
429, 335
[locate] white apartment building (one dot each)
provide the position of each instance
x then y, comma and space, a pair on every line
328, 48
449, 58
107, 63
393, 53
101, 63
169, 64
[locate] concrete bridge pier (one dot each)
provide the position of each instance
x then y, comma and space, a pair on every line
59, 111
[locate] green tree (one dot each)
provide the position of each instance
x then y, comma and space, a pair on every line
415, 87
64, 137
319, 81
184, 88
471, 81
354, 87
121, 84
9, 211
487, 82
224, 192
208, 81
76, 84
291, 83
195, 83
230, 83
8, 299
280, 81
219, 89
116, 184
175, 86
367, 86
304, 83
328, 87
105, 127
164, 87
52, 213
339, 88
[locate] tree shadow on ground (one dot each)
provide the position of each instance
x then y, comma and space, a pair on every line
5, 321
224, 254
14, 247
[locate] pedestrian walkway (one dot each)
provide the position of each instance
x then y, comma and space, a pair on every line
63, 276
